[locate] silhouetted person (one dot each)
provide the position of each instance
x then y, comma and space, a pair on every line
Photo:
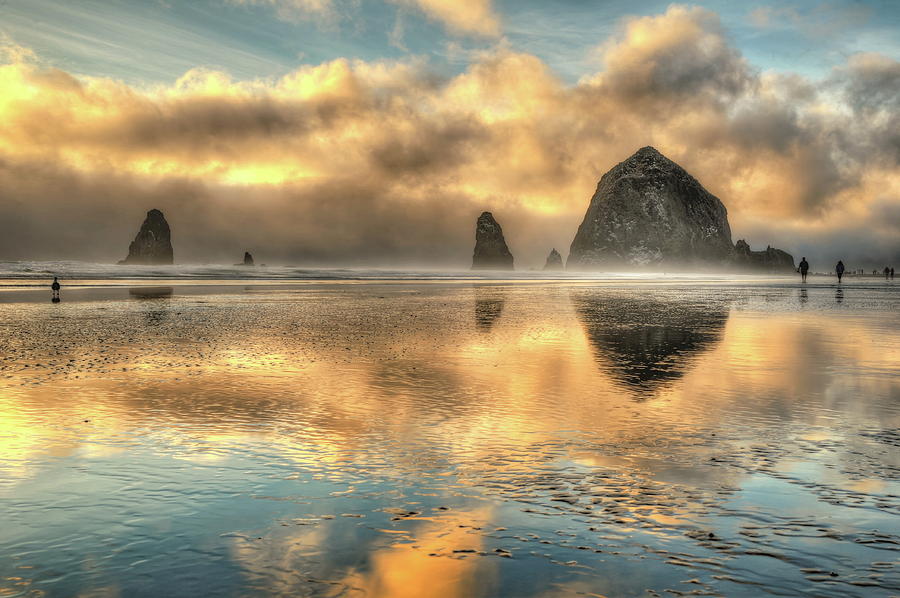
892, 273
839, 268
55, 287
804, 268
887, 272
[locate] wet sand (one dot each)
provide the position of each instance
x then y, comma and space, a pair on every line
402, 438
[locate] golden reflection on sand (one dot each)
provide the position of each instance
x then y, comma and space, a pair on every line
472, 389
426, 566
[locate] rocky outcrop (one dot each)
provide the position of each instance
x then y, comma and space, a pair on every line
649, 212
554, 261
771, 260
248, 260
491, 252
153, 243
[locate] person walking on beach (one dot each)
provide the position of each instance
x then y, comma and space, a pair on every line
887, 272
892, 273
55, 287
804, 268
840, 270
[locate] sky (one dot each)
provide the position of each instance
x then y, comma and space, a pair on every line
373, 133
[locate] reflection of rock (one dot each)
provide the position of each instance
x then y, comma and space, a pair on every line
491, 252
488, 307
153, 243
554, 261
770, 260
150, 292
644, 340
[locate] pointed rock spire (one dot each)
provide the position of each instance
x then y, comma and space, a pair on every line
153, 243
554, 261
491, 252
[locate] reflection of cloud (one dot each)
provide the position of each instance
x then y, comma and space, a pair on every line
646, 341
425, 566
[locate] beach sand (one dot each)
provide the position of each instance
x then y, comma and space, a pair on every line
450, 438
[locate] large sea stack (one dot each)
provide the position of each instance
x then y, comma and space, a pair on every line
649, 212
491, 252
554, 261
153, 243
771, 260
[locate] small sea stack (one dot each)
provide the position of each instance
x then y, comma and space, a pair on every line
554, 261
491, 252
248, 260
153, 243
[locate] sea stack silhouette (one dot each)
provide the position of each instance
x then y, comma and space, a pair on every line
554, 261
648, 211
153, 243
491, 252
248, 260
771, 260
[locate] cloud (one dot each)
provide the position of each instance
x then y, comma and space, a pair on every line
818, 21
352, 162
464, 17
324, 11
460, 16
680, 55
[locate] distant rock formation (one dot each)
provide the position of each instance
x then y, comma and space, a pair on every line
554, 261
248, 260
153, 243
648, 211
491, 252
770, 260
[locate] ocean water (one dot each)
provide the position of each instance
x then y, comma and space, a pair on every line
26, 273
431, 435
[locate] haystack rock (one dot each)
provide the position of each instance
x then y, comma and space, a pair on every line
153, 243
647, 212
554, 261
771, 260
248, 260
491, 252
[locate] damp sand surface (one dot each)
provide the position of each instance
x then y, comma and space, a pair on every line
461, 439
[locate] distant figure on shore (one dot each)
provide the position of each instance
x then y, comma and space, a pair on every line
839, 268
892, 273
55, 288
803, 268
887, 272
